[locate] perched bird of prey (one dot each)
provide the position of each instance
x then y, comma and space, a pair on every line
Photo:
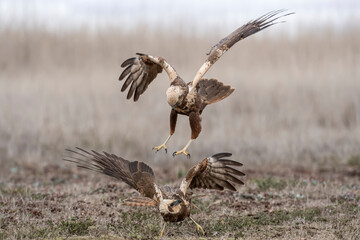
191, 98
174, 204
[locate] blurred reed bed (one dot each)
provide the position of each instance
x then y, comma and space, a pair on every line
297, 99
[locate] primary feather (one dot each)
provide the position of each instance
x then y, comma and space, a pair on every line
136, 174
213, 173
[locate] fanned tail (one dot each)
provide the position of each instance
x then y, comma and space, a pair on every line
213, 90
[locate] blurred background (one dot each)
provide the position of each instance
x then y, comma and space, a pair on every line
297, 98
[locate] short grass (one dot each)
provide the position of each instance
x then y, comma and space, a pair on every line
321, 205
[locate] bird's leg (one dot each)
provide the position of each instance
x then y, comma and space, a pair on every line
195, 125
184, 150
197, 208
173, 118
198, 227
162, 231
158, 148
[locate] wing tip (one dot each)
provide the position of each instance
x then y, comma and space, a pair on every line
127, 62
222, 154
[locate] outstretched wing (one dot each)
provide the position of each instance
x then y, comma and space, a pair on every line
136, 174
142, 70
242, 32
213, 172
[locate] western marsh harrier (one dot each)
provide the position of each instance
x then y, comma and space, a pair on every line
191, 98
174, 204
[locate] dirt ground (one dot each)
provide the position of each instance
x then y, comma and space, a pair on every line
61, 201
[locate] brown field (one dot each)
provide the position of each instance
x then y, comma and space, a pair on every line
293, 121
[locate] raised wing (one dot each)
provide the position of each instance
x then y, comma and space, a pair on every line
141, 71
242, 32
213, 172
136, 174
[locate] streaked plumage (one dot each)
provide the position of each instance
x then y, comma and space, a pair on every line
174, 204
191, 98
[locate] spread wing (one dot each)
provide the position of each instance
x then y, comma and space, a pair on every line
242, 32
141, 71
136, 174
213, 172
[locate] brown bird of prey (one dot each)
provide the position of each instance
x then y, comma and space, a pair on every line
191, 98
174, 204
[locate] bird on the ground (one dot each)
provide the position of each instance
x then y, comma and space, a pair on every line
174, 203
191, 98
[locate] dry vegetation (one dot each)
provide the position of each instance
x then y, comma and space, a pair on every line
294, 121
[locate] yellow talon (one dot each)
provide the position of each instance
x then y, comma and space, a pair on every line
162, 145
184, 150
158, 148
198, 227
181, 152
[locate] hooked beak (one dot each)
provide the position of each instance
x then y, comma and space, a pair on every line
177, 202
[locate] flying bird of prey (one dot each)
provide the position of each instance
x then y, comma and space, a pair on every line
191, 98
174, 204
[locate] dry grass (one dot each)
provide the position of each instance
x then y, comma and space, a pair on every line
296, 105
59, 202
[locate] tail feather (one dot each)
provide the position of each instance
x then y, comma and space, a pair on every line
213, 90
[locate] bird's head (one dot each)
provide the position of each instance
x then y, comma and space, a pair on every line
175, 209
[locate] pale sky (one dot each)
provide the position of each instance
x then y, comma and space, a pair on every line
186, 14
